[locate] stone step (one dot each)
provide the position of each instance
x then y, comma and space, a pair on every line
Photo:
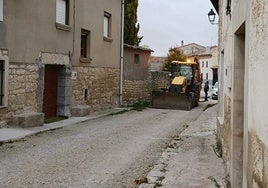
29, 120
80, 110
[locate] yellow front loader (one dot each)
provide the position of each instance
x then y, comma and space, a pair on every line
183, 90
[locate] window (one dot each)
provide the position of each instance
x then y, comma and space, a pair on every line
206, 63
202, 63
85, 44
86, 94
107, 25
136, 58
62, 12
1, 10
206, 76
2, 82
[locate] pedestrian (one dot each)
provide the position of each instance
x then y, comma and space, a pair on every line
206, 88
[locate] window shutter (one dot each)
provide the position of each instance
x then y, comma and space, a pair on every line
1, 10
106, 26
61, 12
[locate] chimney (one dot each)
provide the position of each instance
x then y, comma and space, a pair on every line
182, 43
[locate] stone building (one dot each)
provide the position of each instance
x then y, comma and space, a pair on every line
56, 57
242, 119
137, 79
209, 64
157, 63
208, 58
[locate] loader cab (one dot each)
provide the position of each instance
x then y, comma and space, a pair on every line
185, 69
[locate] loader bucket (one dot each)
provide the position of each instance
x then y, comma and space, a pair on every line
167, 100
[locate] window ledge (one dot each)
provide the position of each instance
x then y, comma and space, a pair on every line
3, 107
63, 27
85, 60
107, 39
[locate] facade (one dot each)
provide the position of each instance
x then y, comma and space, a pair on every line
137, 83
157, 63
209, 64
242, 119
55, 58
208, 58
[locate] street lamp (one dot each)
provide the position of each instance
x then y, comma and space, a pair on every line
211, 17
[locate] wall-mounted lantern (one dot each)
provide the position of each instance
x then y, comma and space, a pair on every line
211, 17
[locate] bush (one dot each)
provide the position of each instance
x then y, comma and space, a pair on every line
140, 105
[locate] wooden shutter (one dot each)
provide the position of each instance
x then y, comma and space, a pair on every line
61, 12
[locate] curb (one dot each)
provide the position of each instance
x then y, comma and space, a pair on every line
9, 135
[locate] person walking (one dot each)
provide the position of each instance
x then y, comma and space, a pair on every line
206, 88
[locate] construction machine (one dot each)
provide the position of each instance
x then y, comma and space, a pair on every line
183, 88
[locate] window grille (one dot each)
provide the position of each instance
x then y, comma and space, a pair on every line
2, 74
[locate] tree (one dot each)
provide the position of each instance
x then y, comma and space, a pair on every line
174, 54
131, 27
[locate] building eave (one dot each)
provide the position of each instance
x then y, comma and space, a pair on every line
138, 48
215, 4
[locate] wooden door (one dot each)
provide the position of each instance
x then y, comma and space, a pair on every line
50, 91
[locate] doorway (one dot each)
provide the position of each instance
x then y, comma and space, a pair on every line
238, 108
50, 91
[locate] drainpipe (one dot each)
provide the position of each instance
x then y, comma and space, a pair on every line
122, 52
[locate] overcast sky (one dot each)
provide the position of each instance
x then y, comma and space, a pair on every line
165, 23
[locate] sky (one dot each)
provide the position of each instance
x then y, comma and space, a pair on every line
165, 23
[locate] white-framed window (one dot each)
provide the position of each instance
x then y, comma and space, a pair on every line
1, 10
85, 44
202, 63
62, 12
107, 25
207, 64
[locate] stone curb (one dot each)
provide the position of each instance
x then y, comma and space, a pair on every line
8, 135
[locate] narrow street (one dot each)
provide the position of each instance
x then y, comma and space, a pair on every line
114, 151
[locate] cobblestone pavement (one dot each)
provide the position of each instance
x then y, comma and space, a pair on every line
113, 151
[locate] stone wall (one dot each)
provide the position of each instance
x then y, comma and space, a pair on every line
224, 132
159, 79
97, 88
23, 83
5, 116
134, 91
258, 162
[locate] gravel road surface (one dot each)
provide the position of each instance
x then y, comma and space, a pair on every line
113, 151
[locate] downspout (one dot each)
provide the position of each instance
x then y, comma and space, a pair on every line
122, 52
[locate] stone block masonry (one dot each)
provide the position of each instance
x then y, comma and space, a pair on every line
23, 83
97, 88
134, 91
258, 162
159, 80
